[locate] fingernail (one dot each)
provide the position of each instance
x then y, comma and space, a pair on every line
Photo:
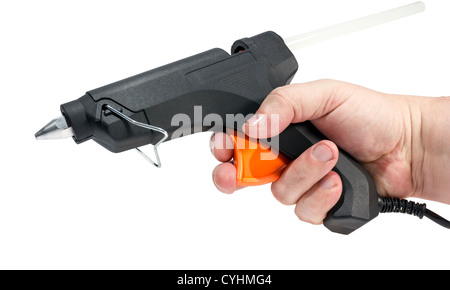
256, 120
256, 126
322, 153
211, 143
327, 183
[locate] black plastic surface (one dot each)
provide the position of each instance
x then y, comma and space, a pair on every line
359, 200
222, 84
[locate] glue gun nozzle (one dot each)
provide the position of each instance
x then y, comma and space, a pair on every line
56, 129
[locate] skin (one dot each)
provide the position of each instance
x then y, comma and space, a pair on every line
403, 141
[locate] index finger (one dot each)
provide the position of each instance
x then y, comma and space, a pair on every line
292, 104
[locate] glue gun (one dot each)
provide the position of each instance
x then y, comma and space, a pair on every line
139, 110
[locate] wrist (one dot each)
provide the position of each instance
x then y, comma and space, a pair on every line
430, 147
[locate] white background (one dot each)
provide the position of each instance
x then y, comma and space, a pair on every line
72, 206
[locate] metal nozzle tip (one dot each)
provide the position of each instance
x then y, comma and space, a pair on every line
56, 129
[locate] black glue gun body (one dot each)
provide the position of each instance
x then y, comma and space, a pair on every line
214, 82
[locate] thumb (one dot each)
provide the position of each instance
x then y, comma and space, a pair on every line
293, 104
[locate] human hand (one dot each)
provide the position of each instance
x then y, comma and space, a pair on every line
403, 142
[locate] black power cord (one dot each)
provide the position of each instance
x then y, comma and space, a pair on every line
389, 204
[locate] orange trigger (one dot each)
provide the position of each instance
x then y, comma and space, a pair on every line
254, 164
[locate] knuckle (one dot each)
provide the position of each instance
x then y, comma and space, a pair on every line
315, 207
330, 83
282, 95
280, 92
279, 192
302, 216
299, 213
298, 170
